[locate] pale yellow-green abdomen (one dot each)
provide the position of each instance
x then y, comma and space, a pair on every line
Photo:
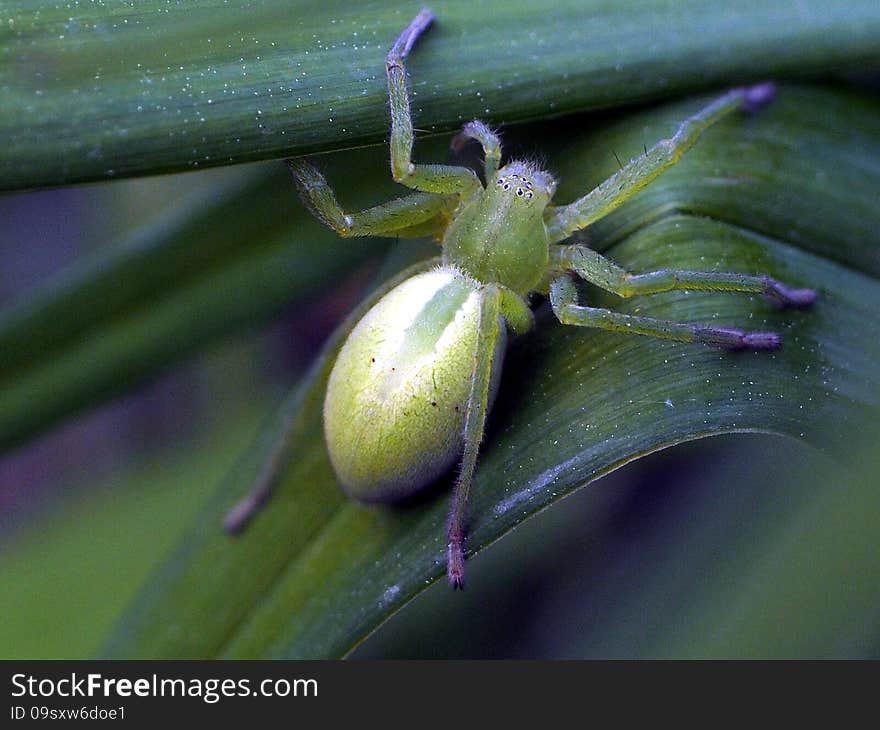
396, 399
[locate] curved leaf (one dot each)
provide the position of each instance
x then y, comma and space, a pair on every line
103, 90
315, 573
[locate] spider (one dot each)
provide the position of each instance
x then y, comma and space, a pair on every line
412, 385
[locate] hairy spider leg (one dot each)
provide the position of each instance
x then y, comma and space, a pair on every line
500, 308
428, 178
564, 220
488, 140
604, 273
440, 186
416, 211
490, 325
564, 300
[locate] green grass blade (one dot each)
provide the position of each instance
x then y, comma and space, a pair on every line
315, 574
105, 90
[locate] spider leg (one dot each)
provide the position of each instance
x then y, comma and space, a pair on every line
394, 217
596, 269
564, 300
475, 421
489, 141
428, 178
632, 177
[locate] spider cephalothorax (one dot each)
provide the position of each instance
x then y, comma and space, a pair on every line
498, 234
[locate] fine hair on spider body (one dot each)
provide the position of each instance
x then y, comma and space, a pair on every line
413, 383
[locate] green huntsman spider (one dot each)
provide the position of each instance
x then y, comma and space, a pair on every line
412, 385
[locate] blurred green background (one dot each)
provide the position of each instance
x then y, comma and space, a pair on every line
148, 327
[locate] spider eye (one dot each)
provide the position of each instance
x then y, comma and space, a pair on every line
520, 184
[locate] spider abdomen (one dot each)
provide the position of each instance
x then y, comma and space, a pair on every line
397, 396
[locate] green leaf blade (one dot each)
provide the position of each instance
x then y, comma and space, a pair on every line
107, 91
574, 404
